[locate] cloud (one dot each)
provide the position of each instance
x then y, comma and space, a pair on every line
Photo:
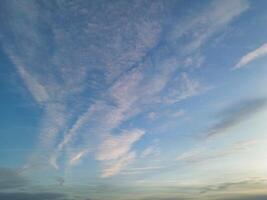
247, 197
77, 157
53, 121
96, 73
197, 29
182, 88
148, 151
152, 150
141, 170
114, 167
247, 187
236, 114
167, 198
164, 113
251, 56
254, 187
105, 117
77, 125
114, 151
10, 179
100, 60
70, 134
243, 184
187, 156
203, 154
179, 113
60, 180
35, 196
115, 146
152, 115
37, 90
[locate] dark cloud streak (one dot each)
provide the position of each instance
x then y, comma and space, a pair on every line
235, 114
10, 178
248, 197
33, 196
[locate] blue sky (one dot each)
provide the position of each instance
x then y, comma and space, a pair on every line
133, 100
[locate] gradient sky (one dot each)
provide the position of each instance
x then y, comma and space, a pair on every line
133, 100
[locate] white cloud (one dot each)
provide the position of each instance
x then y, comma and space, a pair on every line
141, 170
178, 113
148, 151
182, 88
115, 146
210, 21
93, 51
189, 155
204, 154
152, 115
114, 167
194, 60
64, 73
189, 87
104, 118
114, 151
251, 56
77, 157
37, 90
71, 133
152, 150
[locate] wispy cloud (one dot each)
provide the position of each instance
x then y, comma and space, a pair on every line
77, 157
189, 155
251, 56
110, 117
114, 151
60, 91
114, 167
37, 90
110, 76
204, 154
90, 76
181, 88
141, 170
236, 114
70, 134
151, 150
113, 147
211, 20
239, 186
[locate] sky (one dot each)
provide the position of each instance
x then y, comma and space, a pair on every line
133, 100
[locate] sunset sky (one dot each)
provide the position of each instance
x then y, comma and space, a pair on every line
133, 100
